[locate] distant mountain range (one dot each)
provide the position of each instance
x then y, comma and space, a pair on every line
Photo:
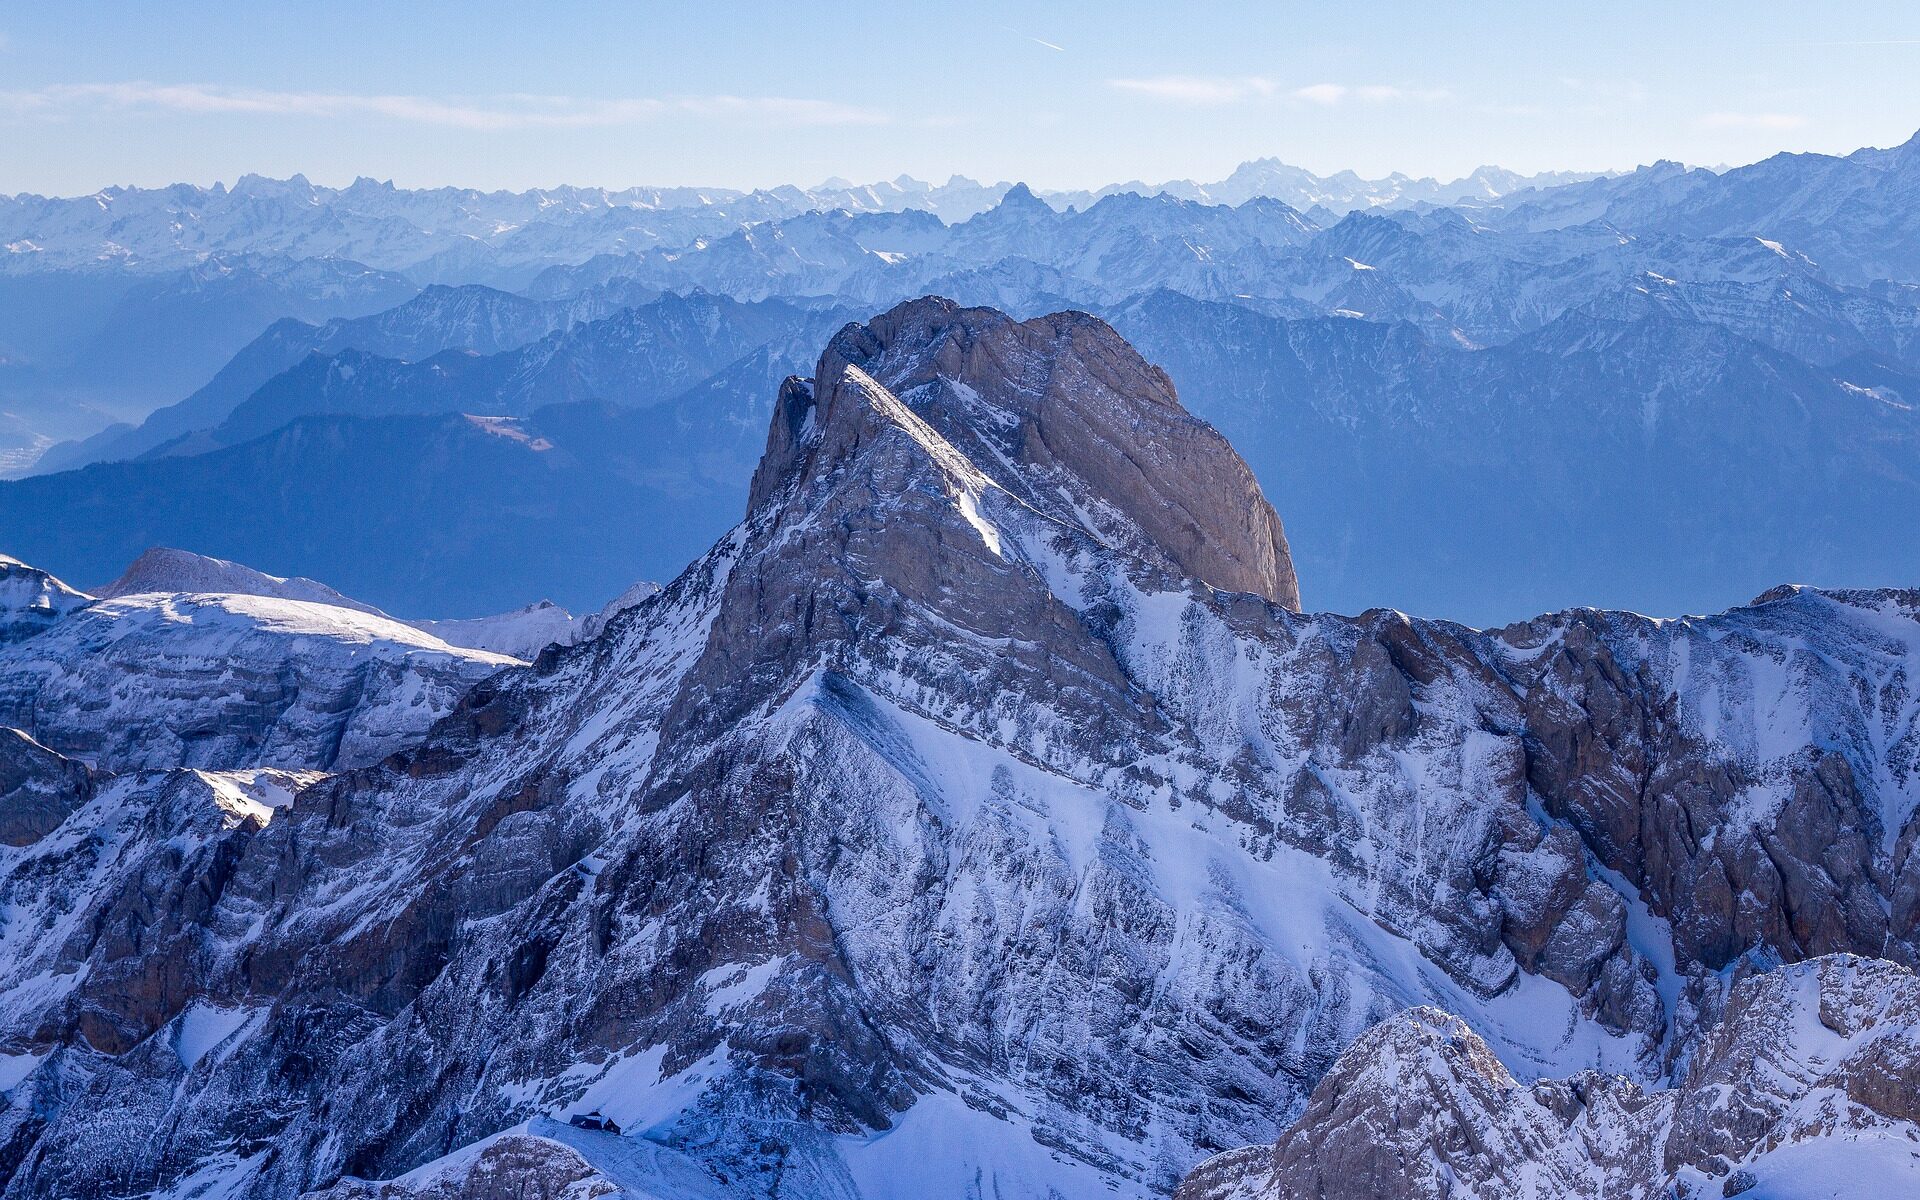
84, 348
1654, 462
424, 516
435, 234
1665, 389
1856, 214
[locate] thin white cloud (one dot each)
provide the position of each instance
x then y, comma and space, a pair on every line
483, 113
1771, 122
1222, 89
1196, 89
1323, 93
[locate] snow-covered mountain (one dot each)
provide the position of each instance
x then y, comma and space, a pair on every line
1339, 193
1119, 245
119, 302
979, 814
1855, 214
219, 679
444, 234
525, 632
1469, 281
31, 600
165, 569
522, 633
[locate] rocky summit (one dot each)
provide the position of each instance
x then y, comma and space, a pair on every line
979, 817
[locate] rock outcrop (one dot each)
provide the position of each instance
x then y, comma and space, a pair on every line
1068, 418
39, 788
511, 1167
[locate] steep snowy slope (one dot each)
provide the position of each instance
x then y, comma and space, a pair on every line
979, 814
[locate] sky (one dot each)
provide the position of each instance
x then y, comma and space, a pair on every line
1060, 95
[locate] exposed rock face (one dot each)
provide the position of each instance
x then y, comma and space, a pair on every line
1758, 841
1819, 1061
39, 788
512, 1167
1068, 418
118, 894
980, 815
1407, 1105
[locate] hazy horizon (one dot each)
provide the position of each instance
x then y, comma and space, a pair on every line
1040, 187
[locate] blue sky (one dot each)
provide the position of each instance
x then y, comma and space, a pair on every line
1060, 95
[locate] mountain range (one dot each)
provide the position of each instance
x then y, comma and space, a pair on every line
984, 813
435, 234
1670, 337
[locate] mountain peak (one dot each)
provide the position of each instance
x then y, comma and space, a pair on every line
166, 569
1060, 412
1020, 196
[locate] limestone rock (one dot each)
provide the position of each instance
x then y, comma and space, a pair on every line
39, 788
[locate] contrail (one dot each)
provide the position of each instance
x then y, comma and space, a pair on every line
1037, 41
